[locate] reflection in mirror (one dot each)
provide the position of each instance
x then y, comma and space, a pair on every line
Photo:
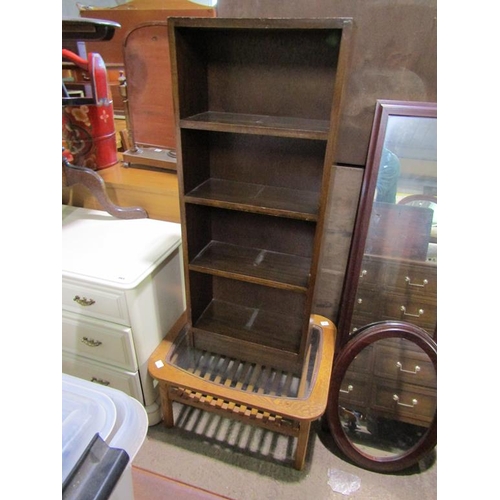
382, 410
407, 172
392, 271
385, 405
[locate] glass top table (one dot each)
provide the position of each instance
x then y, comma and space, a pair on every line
246, 376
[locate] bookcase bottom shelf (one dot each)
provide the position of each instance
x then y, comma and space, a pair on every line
256, 394
248, 327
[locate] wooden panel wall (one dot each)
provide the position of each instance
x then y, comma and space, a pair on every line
394, 55
340, 217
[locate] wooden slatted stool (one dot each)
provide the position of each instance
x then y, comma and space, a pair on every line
274, 399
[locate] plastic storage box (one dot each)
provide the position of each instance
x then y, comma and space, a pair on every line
102, 431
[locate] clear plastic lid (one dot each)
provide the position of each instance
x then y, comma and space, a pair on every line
84, 413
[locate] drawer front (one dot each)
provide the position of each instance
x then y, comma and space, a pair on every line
101, 341
404, 365
107, 304
366, 303
355, 391
128, 382
360, 320
413, 309
372, 273
412, 279
404, 402
363, 362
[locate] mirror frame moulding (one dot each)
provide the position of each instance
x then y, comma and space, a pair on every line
362, 338
384, 109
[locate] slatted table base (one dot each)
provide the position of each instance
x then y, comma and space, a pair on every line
253, 394
234, 410
230, 409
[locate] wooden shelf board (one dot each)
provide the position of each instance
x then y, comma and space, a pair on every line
261, 266
256, 198
258, 124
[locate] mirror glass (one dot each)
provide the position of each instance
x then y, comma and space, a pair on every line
407, 177
398, 273
387, 398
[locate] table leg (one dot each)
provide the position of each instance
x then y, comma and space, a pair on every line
166, 406
302, 440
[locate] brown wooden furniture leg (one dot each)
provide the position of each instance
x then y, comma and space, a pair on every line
166, 406
302, 440
93, 182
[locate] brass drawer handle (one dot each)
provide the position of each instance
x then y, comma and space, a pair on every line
349, 389
83, 301
99, 381
424, 282
414, 402
420, 312
91, 342
400, 366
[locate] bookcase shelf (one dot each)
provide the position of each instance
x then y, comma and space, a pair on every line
257, 106
243, 123
275, 269
258, 198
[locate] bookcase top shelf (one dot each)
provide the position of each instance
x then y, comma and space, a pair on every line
244, 123
263, 23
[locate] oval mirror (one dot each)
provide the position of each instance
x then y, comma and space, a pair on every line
382, 409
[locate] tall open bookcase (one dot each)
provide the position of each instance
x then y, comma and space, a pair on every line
257, 104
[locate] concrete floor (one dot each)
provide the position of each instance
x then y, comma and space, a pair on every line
241, 462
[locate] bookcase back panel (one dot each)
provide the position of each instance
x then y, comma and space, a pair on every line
277, 175
275, 234
291, 163
249, 312
262, 71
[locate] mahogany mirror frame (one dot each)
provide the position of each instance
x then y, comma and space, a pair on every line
383, 111
364, 337
350, 345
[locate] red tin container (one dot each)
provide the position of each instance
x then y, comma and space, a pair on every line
89, 129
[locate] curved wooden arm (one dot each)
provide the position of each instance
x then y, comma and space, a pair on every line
94, 183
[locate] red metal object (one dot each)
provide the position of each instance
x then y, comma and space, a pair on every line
89, 129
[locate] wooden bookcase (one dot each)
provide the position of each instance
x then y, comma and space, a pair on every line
257, 105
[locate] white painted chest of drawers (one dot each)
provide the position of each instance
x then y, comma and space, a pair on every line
122, 291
